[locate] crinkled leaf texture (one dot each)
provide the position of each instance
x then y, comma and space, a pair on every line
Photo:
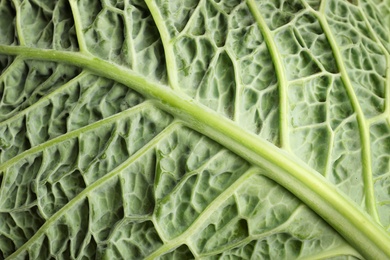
208, 129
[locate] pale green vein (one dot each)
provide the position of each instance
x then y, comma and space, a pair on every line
213, 63
280, 74
128, 38
302, 81
191, 21
363, 125
257, 237
75, 133
342, 252
189, 174
206, 213
309, 186
78, 26
19, 28
331, 142
328, 160
182, 182
239, 88
10, 68
126, 220
283, 228
386, 114
44, 99
167, 44
113, 9
385, 202
101, 182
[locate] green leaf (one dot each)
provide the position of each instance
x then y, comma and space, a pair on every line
189, 129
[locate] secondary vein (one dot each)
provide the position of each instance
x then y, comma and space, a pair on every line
279, 70
363, 125
167, 44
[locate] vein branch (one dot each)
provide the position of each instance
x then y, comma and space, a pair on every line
74, 134
78, 26
19, 28
387, 55
100, 182
167, 44
279, 69
210, 209
362, 123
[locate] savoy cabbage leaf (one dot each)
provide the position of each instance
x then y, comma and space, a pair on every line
208, 129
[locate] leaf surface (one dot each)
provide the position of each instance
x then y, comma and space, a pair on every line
194, 129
